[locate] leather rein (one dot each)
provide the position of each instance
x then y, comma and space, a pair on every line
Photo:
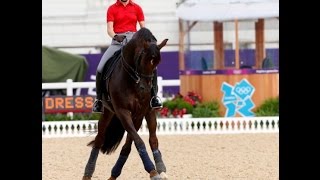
133, 73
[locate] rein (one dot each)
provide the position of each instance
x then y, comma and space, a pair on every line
134, 73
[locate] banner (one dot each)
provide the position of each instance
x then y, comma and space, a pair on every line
238, 98
63, 104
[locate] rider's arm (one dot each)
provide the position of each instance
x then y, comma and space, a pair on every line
110, 31
141, 23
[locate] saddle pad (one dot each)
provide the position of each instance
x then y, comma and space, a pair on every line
111, 64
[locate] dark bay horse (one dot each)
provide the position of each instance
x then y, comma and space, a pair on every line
127, 104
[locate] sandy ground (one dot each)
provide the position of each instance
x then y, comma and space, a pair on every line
197, 157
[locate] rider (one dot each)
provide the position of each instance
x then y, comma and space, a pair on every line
122, 18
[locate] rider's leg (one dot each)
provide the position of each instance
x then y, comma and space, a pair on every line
98, 106
155, 101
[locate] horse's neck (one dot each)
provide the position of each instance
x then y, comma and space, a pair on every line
129, 53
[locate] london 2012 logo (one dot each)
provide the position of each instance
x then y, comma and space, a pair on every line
238, 98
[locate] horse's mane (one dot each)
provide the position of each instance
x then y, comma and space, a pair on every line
144, 34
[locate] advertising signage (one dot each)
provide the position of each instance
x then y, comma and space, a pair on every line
63, 104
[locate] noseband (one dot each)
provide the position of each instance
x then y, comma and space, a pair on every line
133, 73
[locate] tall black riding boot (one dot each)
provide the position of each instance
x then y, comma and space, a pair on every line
155, 101
98, 106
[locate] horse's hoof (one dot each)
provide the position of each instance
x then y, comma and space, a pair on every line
112, 178
86, 178
157, 177
154, 175
164, 176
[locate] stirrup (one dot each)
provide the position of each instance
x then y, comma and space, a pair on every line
159, 102
95, 109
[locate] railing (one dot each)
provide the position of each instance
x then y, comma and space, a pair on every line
69, 85
171, 126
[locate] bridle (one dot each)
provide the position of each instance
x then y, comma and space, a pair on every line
133, 73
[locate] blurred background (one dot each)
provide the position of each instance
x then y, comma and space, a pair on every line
205, 37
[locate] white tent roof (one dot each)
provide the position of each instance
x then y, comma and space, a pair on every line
227, 10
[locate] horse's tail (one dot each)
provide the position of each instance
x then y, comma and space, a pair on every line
113, 135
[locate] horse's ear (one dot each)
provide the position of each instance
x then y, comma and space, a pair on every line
163, 43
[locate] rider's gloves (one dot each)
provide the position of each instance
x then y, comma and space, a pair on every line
119, 38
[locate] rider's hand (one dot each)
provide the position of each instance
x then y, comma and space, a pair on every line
119, 38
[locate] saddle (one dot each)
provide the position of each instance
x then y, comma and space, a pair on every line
107, 72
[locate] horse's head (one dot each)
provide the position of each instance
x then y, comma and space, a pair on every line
151, 55
147, 53
141, 56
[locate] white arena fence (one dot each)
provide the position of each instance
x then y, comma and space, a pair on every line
170, 126
69, 85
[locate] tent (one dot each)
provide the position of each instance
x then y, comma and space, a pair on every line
58, 66
227, 10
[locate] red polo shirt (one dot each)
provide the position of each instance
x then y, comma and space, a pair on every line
125, 18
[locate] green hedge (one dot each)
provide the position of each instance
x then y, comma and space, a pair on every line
207, 109
178, 103
76, 117
270, 107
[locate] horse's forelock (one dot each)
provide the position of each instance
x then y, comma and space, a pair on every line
154, 49
154, 53
144, 39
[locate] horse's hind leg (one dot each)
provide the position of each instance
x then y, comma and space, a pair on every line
96, 144
153, 141
91, 164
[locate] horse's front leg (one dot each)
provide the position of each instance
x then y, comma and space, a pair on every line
124, 154
154, 144
96, 144
126, 120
